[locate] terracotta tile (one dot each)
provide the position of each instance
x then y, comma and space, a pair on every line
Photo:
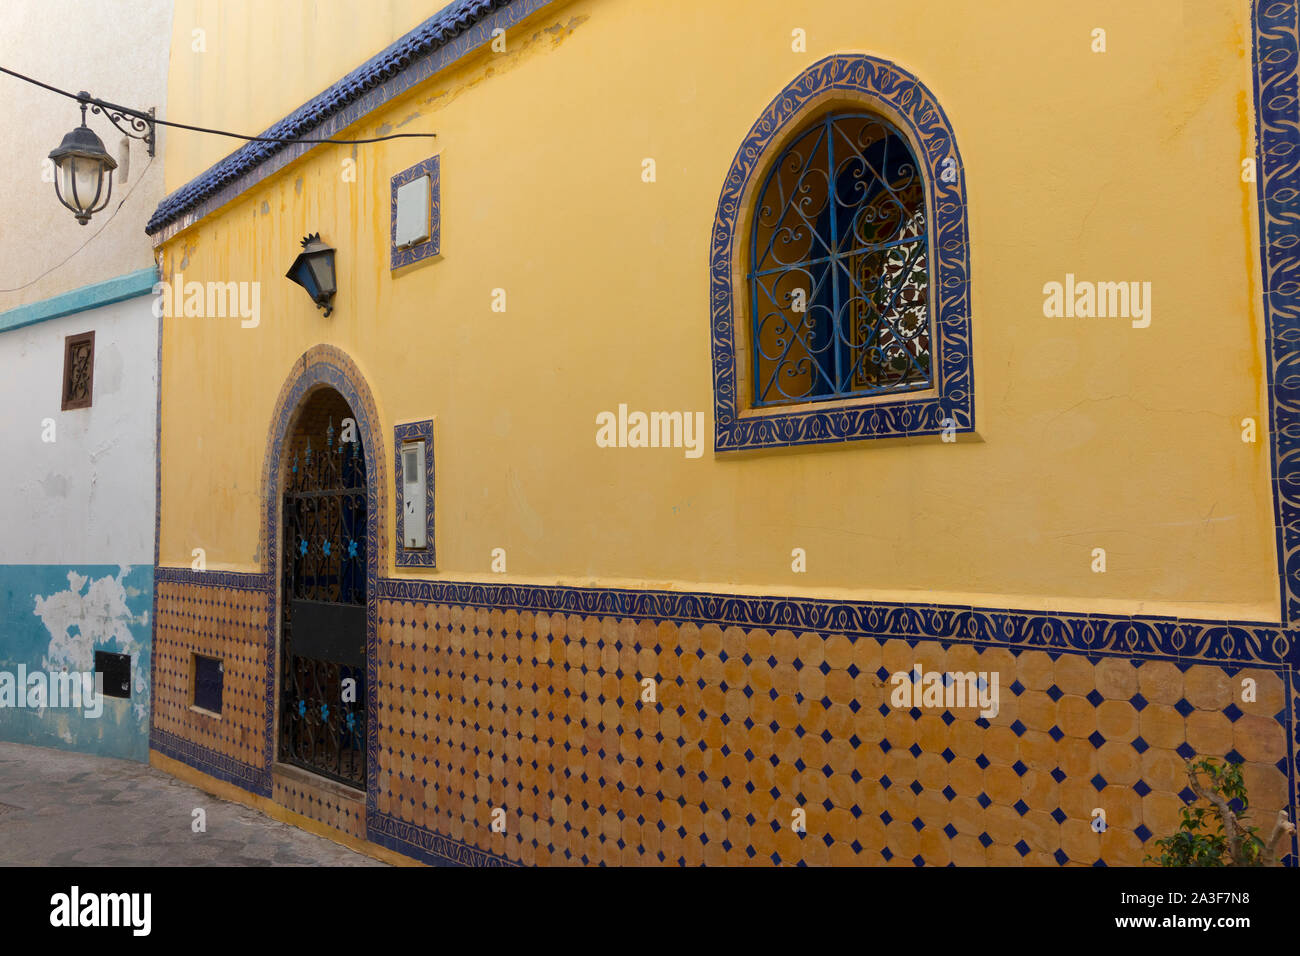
1160, 682
966, 850
1208, 688
1209, 732
1121, 847
1036, 710
1162, 726
1259, 739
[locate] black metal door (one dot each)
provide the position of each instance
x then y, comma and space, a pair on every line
323, 618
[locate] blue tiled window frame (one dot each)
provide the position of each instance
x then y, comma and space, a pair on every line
433, 245
949, 407
406, 432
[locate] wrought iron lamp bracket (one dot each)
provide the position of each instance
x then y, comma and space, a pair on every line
134, 124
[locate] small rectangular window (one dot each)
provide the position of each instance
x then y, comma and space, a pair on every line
78, 370
208, 679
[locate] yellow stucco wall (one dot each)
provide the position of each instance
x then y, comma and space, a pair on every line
1118, 166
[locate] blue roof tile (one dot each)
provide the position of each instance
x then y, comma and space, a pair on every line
444, 26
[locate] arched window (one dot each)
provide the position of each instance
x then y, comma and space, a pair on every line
839, 266
840, 279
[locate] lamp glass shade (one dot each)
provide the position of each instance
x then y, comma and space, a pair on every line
322, 269
81, 180
305, 276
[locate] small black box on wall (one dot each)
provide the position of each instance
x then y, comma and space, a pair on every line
116, 669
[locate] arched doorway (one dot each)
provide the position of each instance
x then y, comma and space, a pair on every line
324, 592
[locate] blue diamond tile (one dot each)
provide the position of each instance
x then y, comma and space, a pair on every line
947, 755
914, 750
1096, 739
886, 819
1233, 757
1139, 702
1022, 848
986, 840
983, 762
1099, 782
950, 830
1186, 795
949, 793
1059, 815
1018, 728
1020, 807
984, 800
1233, 713
1056, 733
1141, 788
918, 825
1017, 688
1020, 768
1061, 858
1055, 692
1095, 698
1186, 750
885, 745
1140, 745
887, 854
1142, 833
1183, 707
1058, 774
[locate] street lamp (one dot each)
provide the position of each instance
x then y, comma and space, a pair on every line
314, 271
83, 171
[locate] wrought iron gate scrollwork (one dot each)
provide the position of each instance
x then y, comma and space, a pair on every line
323, 611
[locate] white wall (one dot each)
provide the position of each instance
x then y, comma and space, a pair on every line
88, 496
117, 51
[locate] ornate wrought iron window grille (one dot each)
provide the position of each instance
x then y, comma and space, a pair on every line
839, 267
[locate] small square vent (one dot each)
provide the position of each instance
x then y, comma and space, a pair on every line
116, 669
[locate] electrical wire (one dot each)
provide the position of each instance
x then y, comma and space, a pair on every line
91, 236
127, 111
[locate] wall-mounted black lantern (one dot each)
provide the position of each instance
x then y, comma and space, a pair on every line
83, 170
314, 271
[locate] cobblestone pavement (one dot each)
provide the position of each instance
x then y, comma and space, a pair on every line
67, 809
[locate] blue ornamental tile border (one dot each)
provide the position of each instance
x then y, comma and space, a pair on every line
245, 776
924, 121
452, 33
426, 845
432, 246
229, 580
1218, 642
1277, 182
403, 558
